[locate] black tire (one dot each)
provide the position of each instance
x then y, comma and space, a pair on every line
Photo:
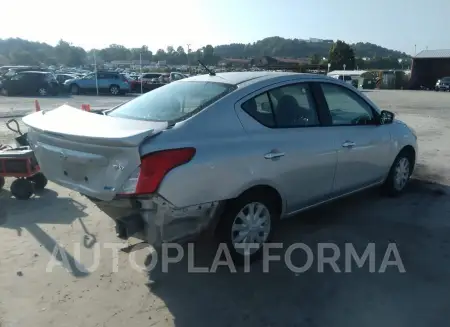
74, 89
22, 189
392, 185
2, 182
39, 180
114, 90
234, 207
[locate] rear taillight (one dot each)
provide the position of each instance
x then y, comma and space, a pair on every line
154, 167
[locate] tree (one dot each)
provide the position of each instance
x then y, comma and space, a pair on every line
315, 59
3, 60
180, 50
341, 54
170, 50
370, 56
23, 58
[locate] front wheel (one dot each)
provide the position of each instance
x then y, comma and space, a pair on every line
247, 224
74, 89
399, 174
42, 91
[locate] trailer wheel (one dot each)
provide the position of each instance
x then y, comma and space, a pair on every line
39, 180
2, 182
22, 189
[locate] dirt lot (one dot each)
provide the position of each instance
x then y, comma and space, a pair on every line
418, 223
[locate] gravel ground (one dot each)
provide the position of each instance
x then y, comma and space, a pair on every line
417, 222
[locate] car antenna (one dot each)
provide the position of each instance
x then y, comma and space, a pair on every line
210, 72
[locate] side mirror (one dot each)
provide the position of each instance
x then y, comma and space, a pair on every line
386, 117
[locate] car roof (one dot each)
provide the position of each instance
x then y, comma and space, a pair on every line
237, 78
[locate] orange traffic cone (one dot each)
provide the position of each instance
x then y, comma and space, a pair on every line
37, 106
86, 107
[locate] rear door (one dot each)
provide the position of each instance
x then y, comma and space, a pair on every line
104, 81
291, 149
88, 82
363, 145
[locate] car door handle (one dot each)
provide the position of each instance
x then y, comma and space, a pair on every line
348, 144
273, 155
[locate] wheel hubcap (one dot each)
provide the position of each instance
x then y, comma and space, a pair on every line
114, 90
401, 174
42, 91
250, 228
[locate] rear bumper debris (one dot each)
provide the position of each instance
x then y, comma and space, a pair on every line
157, 221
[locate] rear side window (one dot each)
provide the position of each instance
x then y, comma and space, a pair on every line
284, 107
173, 102
259, 108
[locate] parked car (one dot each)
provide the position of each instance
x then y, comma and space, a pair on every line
234, 152
30, 83
150, 77
61, 78
175, 76
442, 84
111, 82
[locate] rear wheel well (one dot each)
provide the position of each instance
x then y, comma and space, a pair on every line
267, 191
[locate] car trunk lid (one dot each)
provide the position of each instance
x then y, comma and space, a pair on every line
89, 153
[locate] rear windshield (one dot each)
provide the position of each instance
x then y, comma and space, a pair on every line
173, 102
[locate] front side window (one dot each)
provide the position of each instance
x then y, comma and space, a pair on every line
346, 107
293, 106
17, 77
173, 102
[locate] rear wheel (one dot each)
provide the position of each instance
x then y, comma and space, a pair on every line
114, 90
39, 180
22, 189
247, 224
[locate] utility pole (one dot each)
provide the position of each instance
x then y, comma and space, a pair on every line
95, 72
140, 70
188, 60
415, 49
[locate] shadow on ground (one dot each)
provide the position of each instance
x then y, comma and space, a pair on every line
417, 223
64, 211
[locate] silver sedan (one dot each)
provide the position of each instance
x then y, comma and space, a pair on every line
235, 152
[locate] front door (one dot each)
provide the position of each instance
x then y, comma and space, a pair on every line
363, 144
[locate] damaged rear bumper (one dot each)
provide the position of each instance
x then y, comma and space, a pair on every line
156, 221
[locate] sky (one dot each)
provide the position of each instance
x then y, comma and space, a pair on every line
405, 25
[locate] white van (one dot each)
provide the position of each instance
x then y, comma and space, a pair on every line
345, 78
